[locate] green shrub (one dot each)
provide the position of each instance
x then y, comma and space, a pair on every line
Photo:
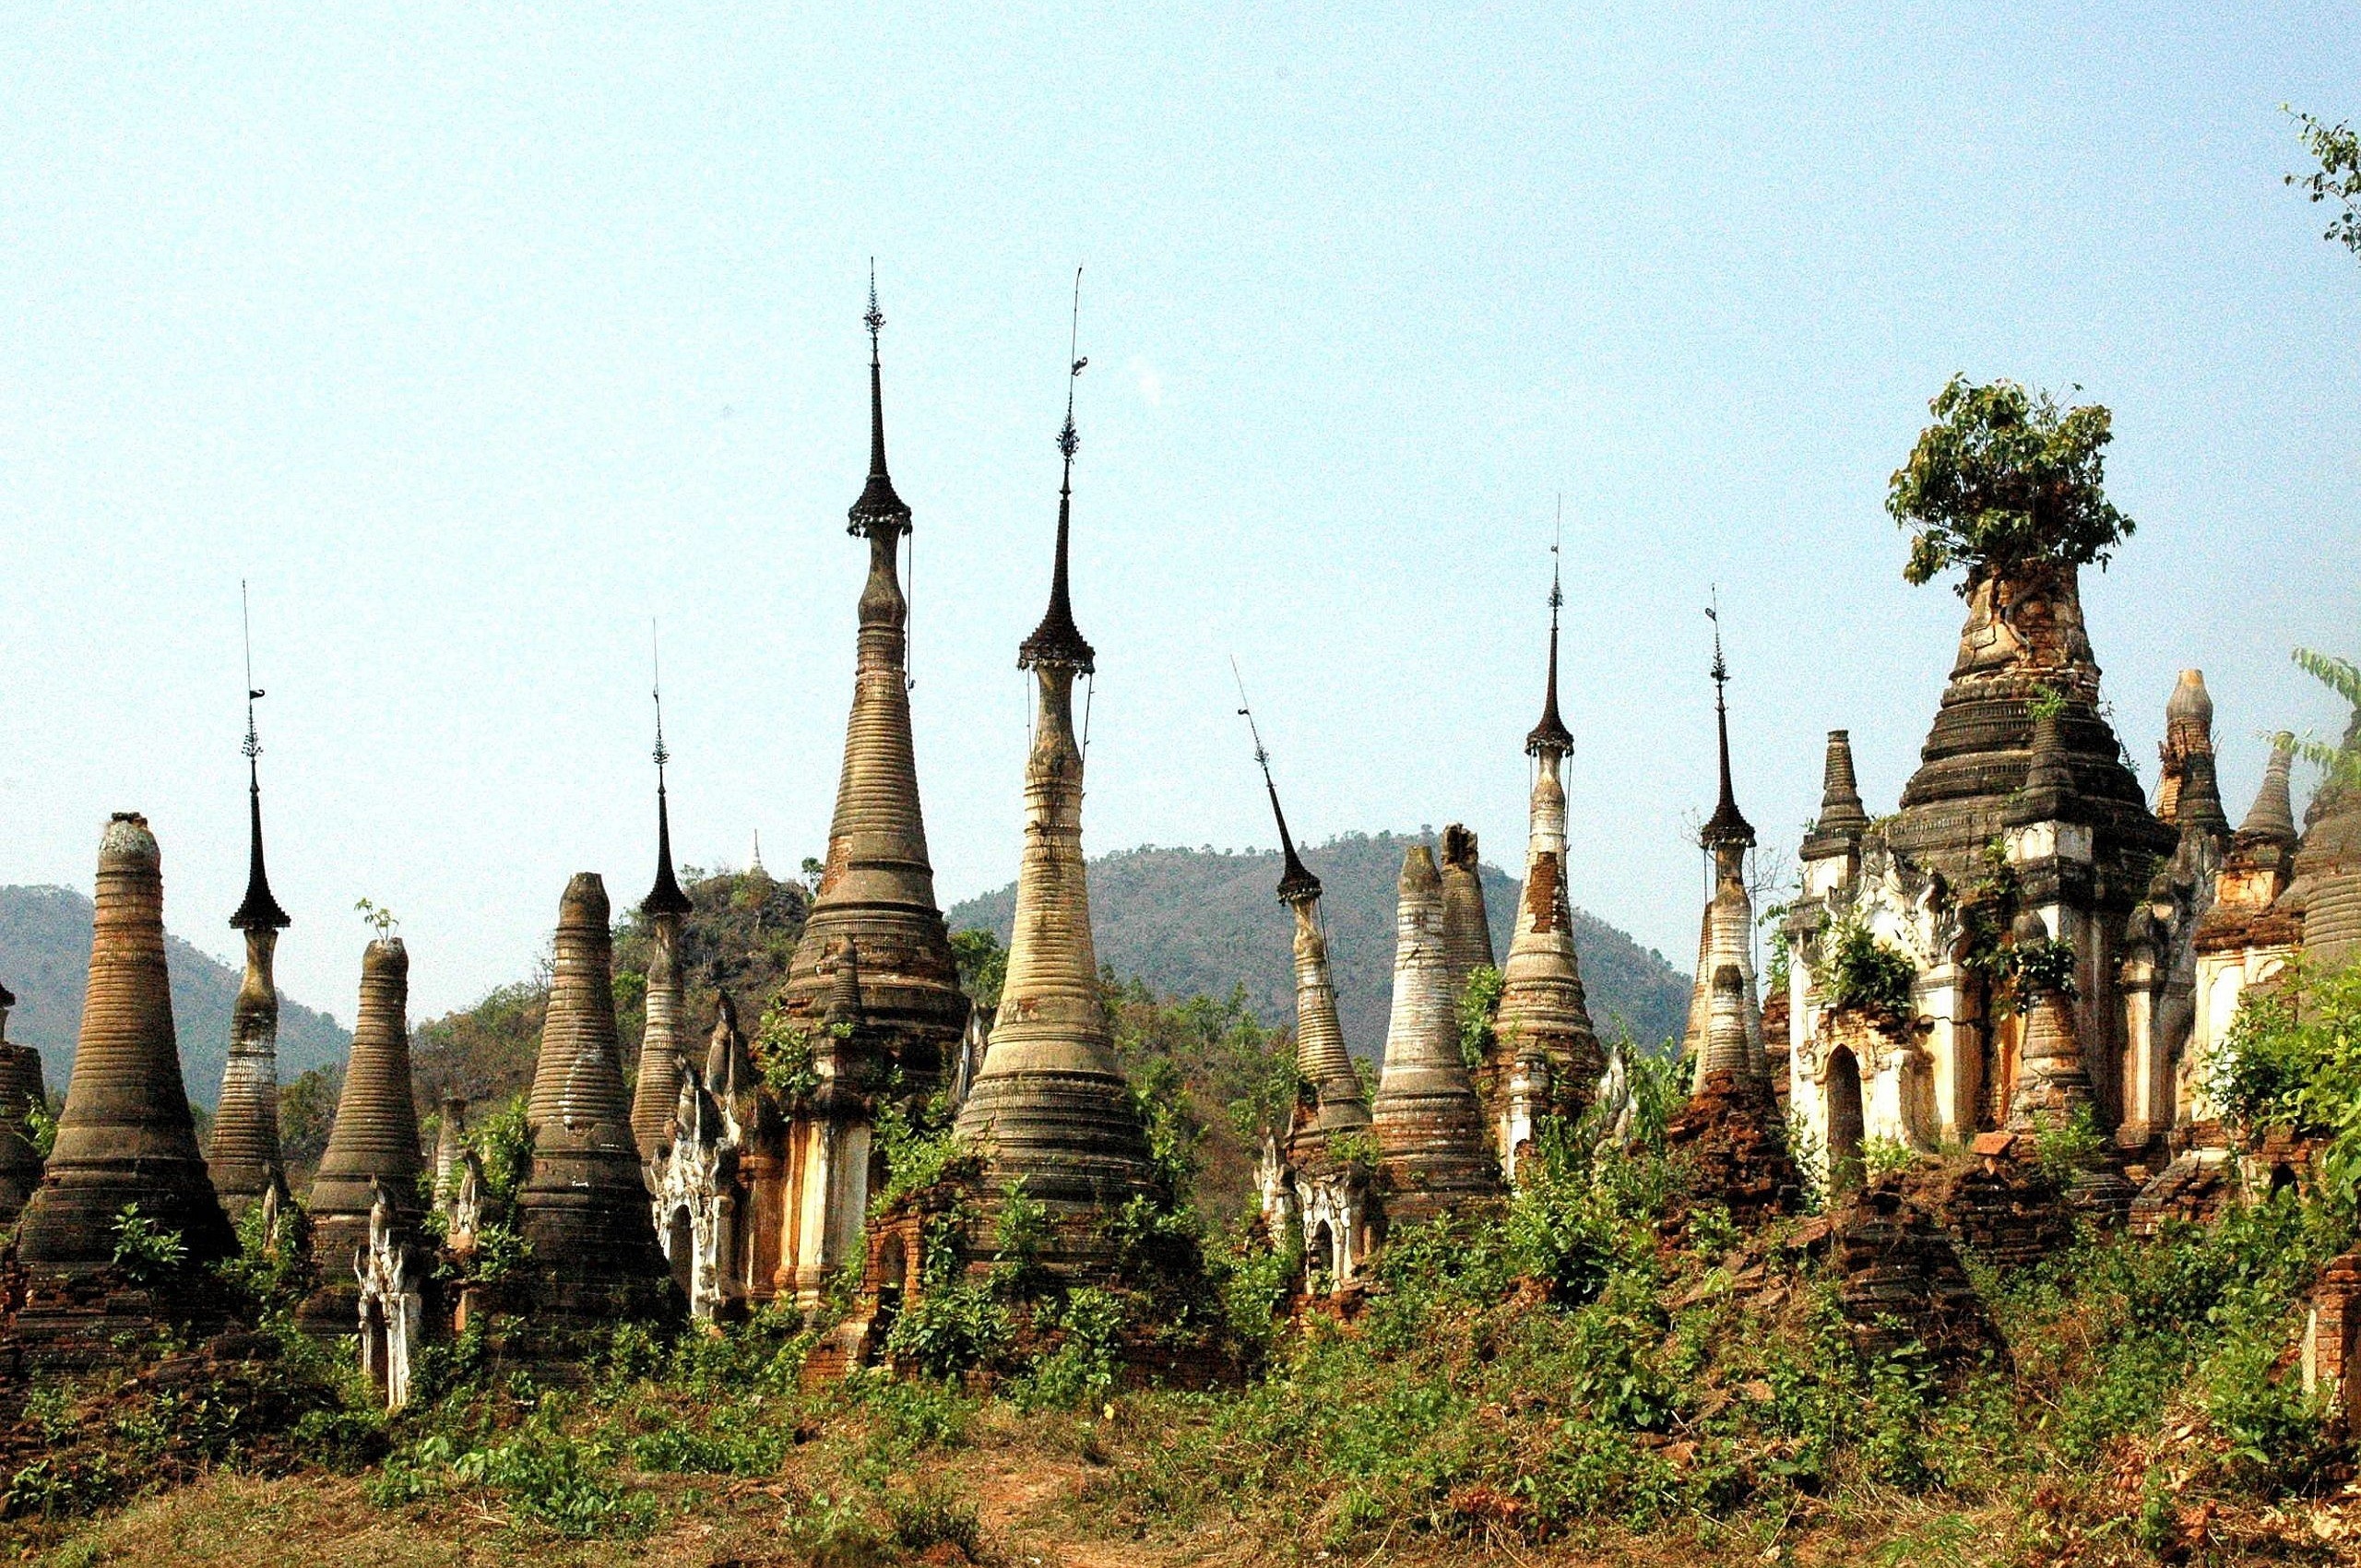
146, 1250
1478, 1004
1858, 971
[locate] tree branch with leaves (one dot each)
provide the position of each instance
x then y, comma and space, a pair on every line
2004, 479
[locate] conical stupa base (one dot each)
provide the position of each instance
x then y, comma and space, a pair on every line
1069, 1141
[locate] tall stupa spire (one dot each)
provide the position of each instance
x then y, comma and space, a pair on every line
662, 1064
1727, 825
879, 509
1319, 1055
1725, 940
1550, 736
1544, 1011
877, 887
1050, 1104
245, 1160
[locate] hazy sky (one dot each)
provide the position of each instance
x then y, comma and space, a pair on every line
477, 337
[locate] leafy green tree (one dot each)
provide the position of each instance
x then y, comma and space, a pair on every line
2340, 762
2338, 179
2006, 478
983, 964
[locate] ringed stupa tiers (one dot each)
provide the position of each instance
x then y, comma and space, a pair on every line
374, 1146
877, 885
663, 1060
1433, 1152
1049, 1107
245, 1159
583, 1209
125, 1136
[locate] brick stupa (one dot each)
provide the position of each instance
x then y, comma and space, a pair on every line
374, 1144
125, 1136
583, 1209
1049, 1107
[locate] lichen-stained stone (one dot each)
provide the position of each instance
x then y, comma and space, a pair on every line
1434, 1155
125, 1136
1467, 927
583, 1210
373, 1148
1049, 1107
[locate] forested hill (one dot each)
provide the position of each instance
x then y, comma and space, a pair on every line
1199, 921
45, 959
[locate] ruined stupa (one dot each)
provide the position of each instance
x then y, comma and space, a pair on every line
877, 884
1545, 1058
373, 1148
1049, 1106
245, 1159
1433, 1156
125, 1136
1467, 927
2189, 793
1316, 1176
1726, 937
21, 1091
1729, 1131
583, 1209
2328, 863
663, 1063
875, 901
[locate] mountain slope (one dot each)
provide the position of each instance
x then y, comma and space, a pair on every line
45, 959
1195, 921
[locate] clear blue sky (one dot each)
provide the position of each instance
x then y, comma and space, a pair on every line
475, 339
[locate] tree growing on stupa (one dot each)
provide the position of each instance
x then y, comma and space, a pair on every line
2006, 480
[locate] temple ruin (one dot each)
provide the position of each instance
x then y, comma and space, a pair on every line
2023, 802
1049, 1107
245, 1156
21, 1091
373, 1158
125, 1136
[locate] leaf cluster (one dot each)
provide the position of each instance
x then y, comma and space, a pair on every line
2005, 479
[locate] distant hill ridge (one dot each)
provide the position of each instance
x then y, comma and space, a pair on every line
1203, 920
45, 959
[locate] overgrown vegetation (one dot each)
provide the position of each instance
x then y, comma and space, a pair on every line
1571, 1368
2005, 479
1860, 972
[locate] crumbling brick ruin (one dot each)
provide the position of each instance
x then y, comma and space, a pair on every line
21, 1090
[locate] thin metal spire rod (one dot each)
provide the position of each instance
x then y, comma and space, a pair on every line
246, 628
1246, 709
656, 658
